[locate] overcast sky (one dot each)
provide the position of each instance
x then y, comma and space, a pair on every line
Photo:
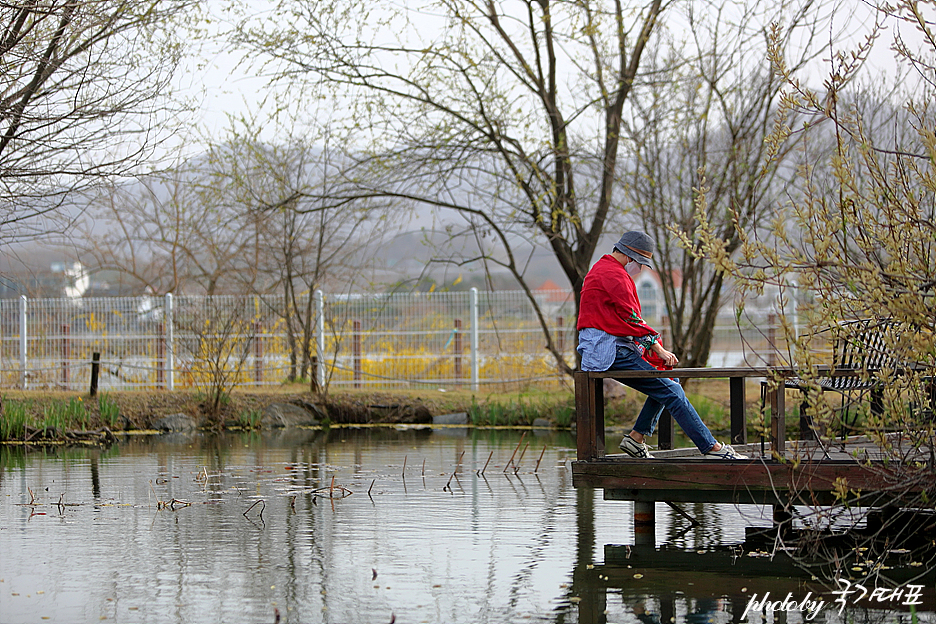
226, 87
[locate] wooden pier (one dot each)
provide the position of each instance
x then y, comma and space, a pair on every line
778, 472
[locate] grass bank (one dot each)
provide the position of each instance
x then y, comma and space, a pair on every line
48, 415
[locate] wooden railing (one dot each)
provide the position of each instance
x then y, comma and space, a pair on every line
589, 405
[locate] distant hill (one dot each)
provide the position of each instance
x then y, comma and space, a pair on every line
438, 256
428, 246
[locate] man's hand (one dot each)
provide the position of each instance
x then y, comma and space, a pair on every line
668, 358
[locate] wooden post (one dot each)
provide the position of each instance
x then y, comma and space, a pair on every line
66, 354
583, 422
356, 352
665, 431
778, 419
806, 422
781, 514
313, 376
458, 349
95, 372
589, 416
596, 389
738, 420
160, 355
644, 523
258, 352
560, 334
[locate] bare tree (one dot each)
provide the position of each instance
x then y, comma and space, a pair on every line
81, 100
300, 242
246, 216
704, 119
216, 340
508, 112
166, 234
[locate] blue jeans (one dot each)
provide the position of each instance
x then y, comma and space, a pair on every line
662, 392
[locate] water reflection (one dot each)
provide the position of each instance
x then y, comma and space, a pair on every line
357, 525
693, 577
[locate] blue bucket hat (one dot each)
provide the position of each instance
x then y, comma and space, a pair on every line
637, 246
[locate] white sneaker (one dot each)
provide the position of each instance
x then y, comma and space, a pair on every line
725, 452
635, 449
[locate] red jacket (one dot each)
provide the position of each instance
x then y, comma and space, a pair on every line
609, 301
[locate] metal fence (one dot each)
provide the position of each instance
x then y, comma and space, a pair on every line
475, 339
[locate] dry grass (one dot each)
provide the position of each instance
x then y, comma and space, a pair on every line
143, 407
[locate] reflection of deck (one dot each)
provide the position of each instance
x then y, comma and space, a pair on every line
702, 578
717, 573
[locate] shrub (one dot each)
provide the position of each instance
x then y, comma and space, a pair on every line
13, 420
108, 410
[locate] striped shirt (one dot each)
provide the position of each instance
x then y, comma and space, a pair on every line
599, 348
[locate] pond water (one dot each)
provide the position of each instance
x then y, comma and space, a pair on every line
372, 525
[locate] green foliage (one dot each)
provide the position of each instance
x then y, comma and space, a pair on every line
53, 419
59, 416
249, 419
711, 412
75, 414
108, 410
13, 420
519, 412
562, 415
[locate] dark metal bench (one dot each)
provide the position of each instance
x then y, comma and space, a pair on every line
860, 349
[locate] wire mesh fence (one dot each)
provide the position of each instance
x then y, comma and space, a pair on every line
477, 339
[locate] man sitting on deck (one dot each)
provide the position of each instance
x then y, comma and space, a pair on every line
613, 336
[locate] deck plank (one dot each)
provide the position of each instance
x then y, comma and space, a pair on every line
807, 475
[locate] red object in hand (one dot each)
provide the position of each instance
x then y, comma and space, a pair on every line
656, 361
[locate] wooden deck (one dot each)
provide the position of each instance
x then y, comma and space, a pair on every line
809, 477
778, 473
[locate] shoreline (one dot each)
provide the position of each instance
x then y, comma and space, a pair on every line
43, 418
24, 412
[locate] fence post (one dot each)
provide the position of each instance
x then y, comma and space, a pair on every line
356, 352
170, 347
23, 342
560, 335
458, 350
320, 338
95, 372
66, 354
473, 312
258, 352
160, 356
